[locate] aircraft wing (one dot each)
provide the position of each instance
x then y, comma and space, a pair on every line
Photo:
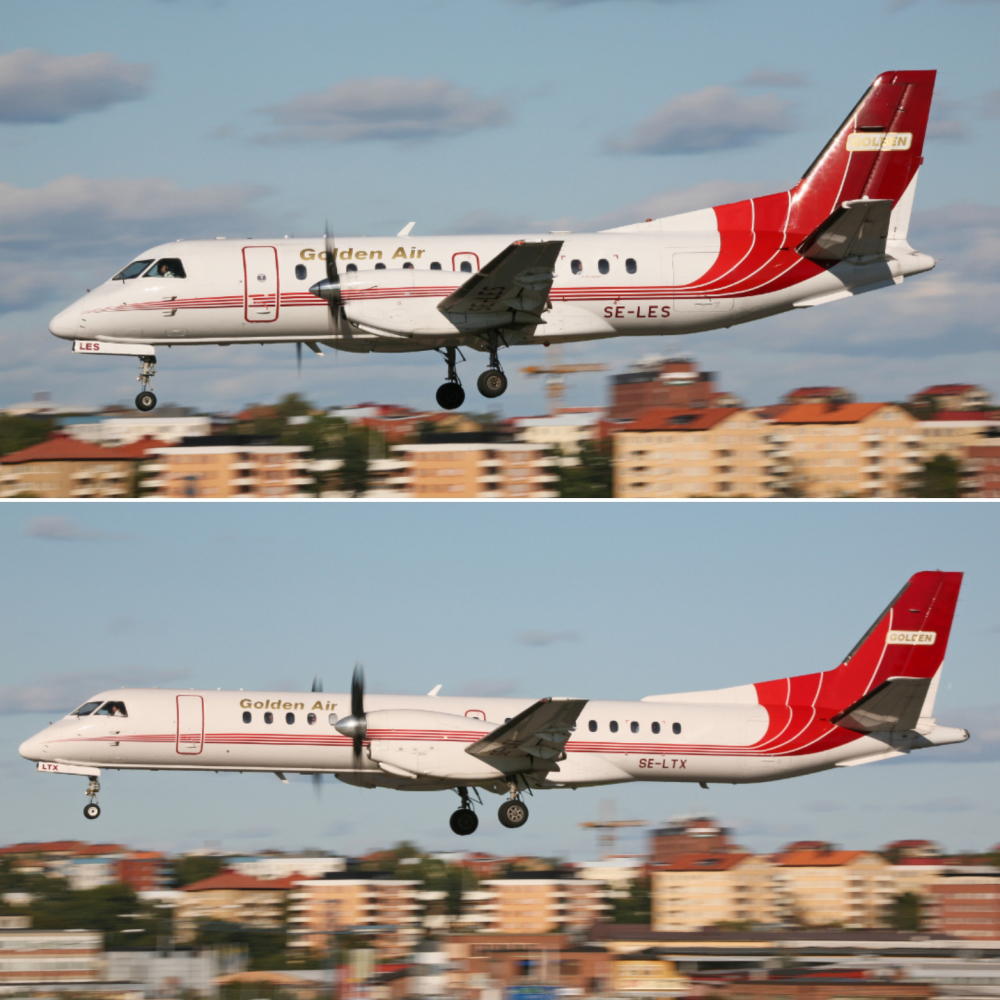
856, 229
894, 707
518, 278
539, 732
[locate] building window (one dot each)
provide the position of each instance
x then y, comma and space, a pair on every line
290, 718
592, 725
630, 265
603, 266
268, 718
247, 718
575, 266
656, 729
613, 726
676, 728
311, 718
634, 727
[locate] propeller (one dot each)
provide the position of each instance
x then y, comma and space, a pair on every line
329, 288
317, 684
298, 361
355, 725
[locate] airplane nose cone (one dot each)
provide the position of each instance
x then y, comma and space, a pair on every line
66, 324
31, 748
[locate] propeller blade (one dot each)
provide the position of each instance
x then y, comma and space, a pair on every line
317, 683
358, 703
298, 356
317, 783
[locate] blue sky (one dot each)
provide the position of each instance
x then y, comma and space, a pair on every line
144, 120
586, 600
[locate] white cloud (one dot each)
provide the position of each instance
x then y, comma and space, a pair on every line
41, 87
393, 108
713, 118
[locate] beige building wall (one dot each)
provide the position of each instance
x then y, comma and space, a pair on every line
728, 459
868, 457
218, 471
254, 907
537, 906
68, 478
465, 470
954, 437
853, 894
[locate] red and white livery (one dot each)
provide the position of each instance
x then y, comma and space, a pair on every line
876, 704
841, 231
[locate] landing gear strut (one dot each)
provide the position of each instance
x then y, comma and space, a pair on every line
451, 395
145, 401
513, 813
463, 820
92, 810
493, 382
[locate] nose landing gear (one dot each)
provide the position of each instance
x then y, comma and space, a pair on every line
463, 820
146, 400
451, 395
92, 810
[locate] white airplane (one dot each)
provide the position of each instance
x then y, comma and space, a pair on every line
876, 704
840, 231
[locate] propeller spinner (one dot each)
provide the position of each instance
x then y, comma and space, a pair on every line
329, 288
355, 725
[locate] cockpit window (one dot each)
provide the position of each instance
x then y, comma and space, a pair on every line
167, 267
86, 708
113, 708
133, 270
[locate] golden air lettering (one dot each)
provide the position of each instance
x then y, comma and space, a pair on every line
310, 254
400, 252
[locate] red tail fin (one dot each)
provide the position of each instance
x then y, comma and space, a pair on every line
874, 154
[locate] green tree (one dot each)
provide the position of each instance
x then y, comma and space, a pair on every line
941, 477
266, 947
354, 454
592, 477
906, 912
195, 867
17, 433
635, 907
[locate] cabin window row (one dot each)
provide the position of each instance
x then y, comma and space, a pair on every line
634, 727
604, 266
466, 266
311, 718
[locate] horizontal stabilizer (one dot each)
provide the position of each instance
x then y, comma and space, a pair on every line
539, 732
856, 229
893, 707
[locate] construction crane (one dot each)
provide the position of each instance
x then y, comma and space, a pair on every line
555, 384
608, 826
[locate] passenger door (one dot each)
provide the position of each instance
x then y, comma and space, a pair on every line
260, 284
190, 723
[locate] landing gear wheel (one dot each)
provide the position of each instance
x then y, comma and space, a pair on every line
91, 810
514, 813
463, 822
492, 383
145, 401
450, 396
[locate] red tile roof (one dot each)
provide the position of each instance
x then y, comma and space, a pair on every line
813, 390
98, 849
674, 418
823, 413
59, 447
702, 862
234, 880
45, 847
947, 389
815, 859
965, 415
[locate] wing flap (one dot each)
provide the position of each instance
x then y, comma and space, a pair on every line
539, 732
894, 707
856, 229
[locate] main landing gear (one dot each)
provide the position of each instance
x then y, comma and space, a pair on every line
451, 395
463, 820
92, 810
492, 382
145, 401
514, 813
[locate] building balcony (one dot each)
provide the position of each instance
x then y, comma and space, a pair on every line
245, 481
490, 479
300, 481
242, 466
489, 462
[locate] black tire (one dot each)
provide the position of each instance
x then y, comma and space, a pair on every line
463, 822
91, 810
450, 396
513, 813
145, 401
492, 383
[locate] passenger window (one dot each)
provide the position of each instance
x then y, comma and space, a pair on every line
592, 725
435, 265
300, 272
465, 266
613, 726
311, 718
634, 727
677, 728
290, 718
630, 265
575, 266
132, 271
352, 267
656, 729
167, 267
603, 266
409, 265
333, 719
113, 708
247, 718
86, 708
380, 266
268, 717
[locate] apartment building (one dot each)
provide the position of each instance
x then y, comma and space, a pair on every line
386, 909
565, 431
465, 466
719, 451
982, 471
954, 432
232, 898
539, 902
61, 466
843, 449
224, 467
114, 431
966, 903
822, 887
695, 891
660, 383
49, 959
272, 865
954, 396
689, 835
